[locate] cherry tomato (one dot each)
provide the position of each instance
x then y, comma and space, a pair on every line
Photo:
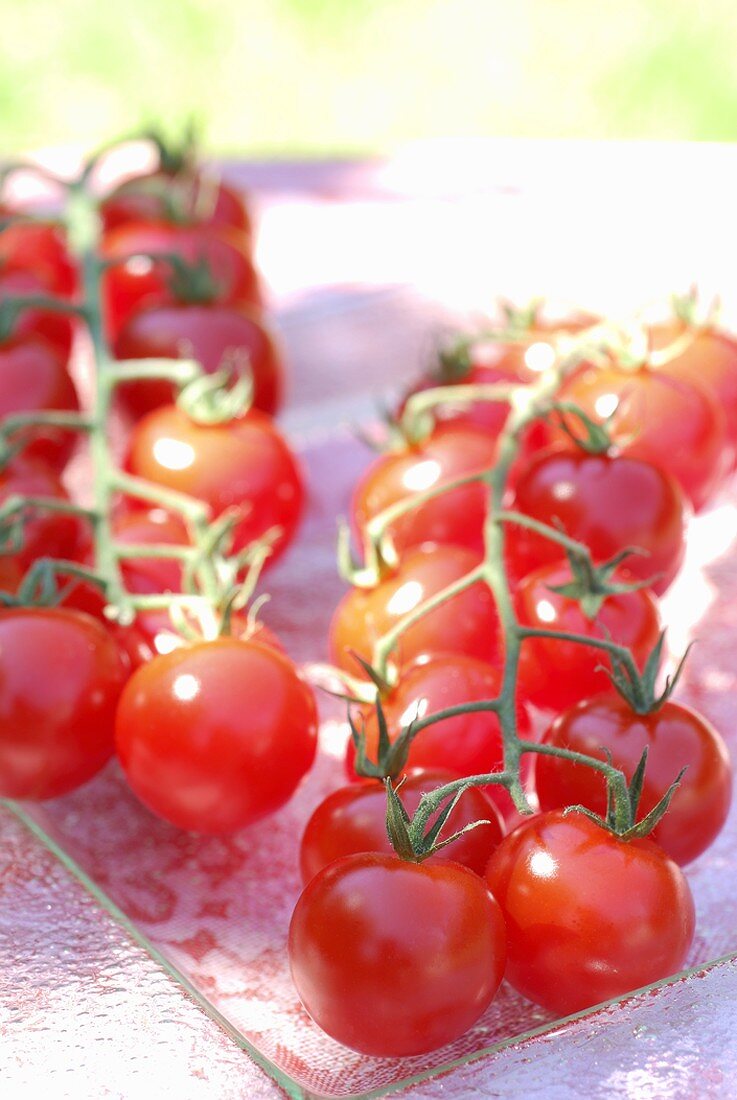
216, 735
39, 247
607, 502
244, 463
675, 736
33, 378
60, 678
153, 633
393, 958
147, 526
532, 353
214, 335
456, 517
556, 674
470, 744
182, 198
136, 282
54, 327
468, 623
658, 418
353, 819
45, 533
589, 916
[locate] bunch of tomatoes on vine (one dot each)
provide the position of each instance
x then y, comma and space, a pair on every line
523, 786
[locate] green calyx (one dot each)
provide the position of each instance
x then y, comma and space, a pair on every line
591, 585
413, 838
220, 397
639, 689
192, 283
589, 435
391, 756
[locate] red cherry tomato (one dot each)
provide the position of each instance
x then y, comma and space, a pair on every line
45, 533
353, 819
183, 198
675, 736
589, 917
56, 328
438, 930
244, 463
216, 735
607, 502
39, 247
214, 335
33, 378
557, 674
470, 744
660, 419
153, 633
60, 678
151, 526
136, 282
456, 517
468, 623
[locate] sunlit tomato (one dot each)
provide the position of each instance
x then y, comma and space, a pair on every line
435, 929
33, 378
607, 502
215, 336
533, 352
469, 744
150, 526
589, 917
183, 198
153, 633
353, 819
45, 533
136, 282
60, 678
456, 517
243, 463
659, 418
468, 623
39, 247
710, 362
216, 735
676, 737
54, 327
556, 674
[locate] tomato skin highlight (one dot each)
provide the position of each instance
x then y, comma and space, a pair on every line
466, 624
242, 463
392, 958
209, 334
675, 736
556, 674
589, 917
607, 502
352, 819
33, 378
215, 735
60, 678
456, 517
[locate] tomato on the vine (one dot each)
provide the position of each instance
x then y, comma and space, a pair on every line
393, 958
456, 517
39, 247
608, 502
34, 379
214, 335
146, 526
45, 533
244, 463
186, 197
589, 916
215, 735
676, 737
353, 819
556, 674
55, 327
468, 623
60, 678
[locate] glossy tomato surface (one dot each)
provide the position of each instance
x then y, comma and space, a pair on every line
609, 503
34, 378
216, 336
456, 517
556, 674
353, 819
589, 917
198, 198
216, 735
675, 736
392, 958
468, 623
244, 463
60, 678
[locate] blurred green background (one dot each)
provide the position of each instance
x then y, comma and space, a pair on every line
316, 77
